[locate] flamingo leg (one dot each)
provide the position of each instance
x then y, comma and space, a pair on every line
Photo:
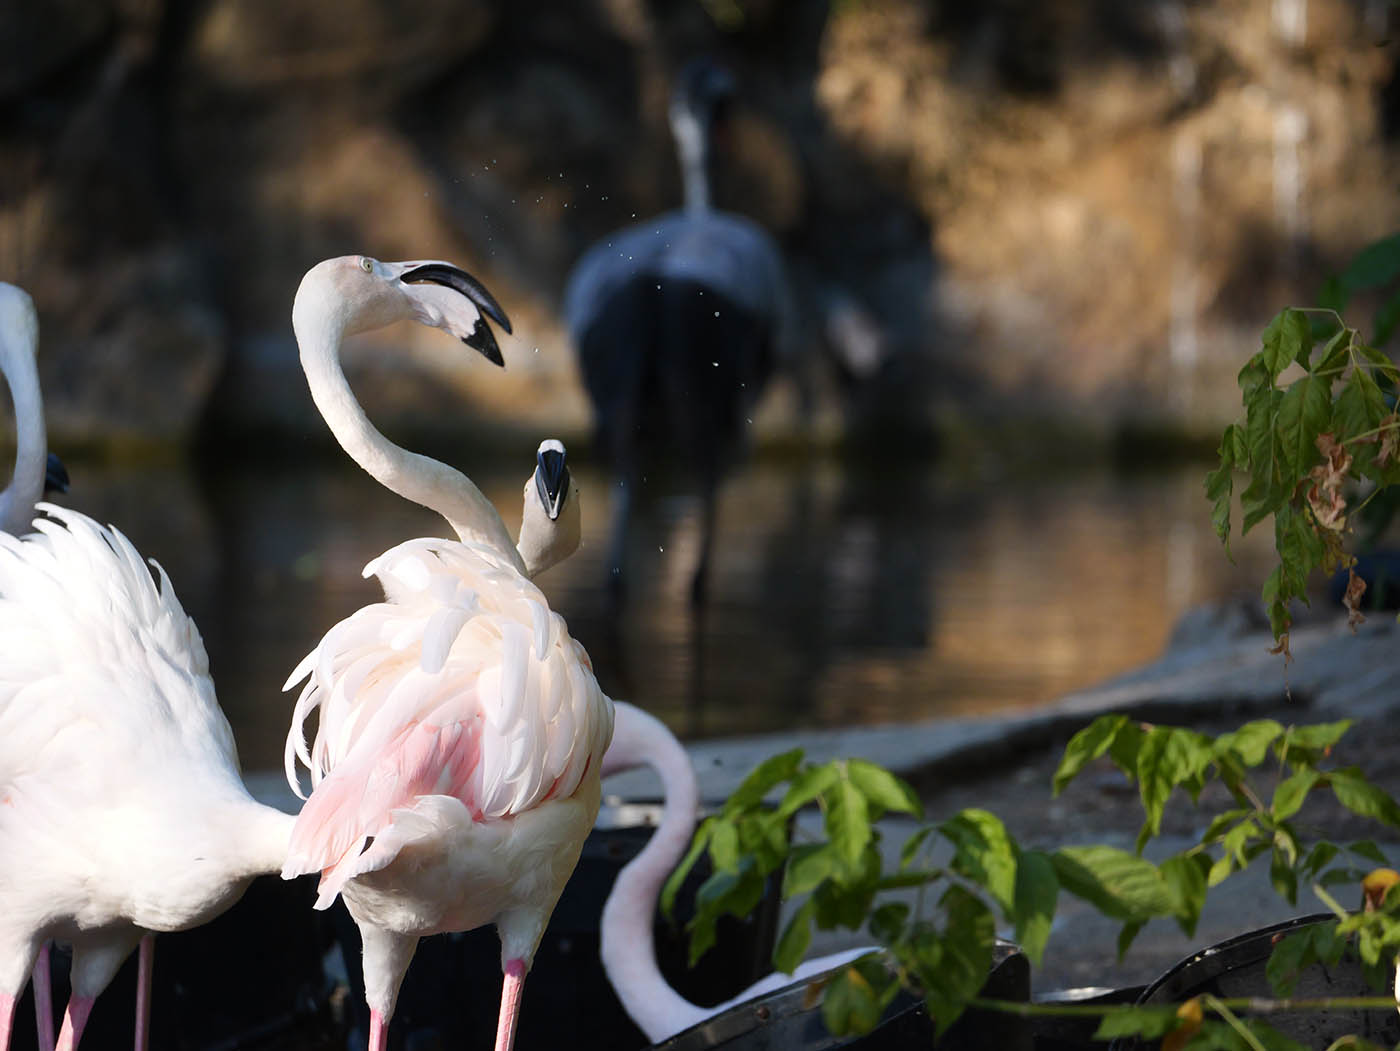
43, 999
378, 1032
75, 1019
145, 961
511, 989
7, 1019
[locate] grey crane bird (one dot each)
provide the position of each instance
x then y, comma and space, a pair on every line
678, 322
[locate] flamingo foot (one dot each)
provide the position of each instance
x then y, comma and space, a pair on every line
43, 999
75, 1020
511, 990
378, 1032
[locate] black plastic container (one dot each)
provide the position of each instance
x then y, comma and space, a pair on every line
787, 1020
1235, 968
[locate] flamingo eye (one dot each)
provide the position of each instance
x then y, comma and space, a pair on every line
366, 264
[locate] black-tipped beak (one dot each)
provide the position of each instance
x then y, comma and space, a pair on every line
552, 481
482, 338
55, 476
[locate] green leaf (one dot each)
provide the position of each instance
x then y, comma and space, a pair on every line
724, 846
1287, 339
806, 786
851, 1004
1318, 737
1365, 848
965, 959
910, 850
984, 853
724, 893
887, 923
795, 940
1127, 935
1037, 890
761, 780
1147, 1022
848, 821
807, 867
1359, 409
1267, 490
1290, 794
1220, 483
1282, 877
1359, 796
883, 788
1168, 757
1303, 414
1381, 362
1121, 885
1185, 877
1085, 746
1335, 354
1295, 952
1251, 741
677, 877
1375, 265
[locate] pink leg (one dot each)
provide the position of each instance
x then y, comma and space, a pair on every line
378, 1032
7, 1019
43, 999
144, 962
511, 990
74, 1021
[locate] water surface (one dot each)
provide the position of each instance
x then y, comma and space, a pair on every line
839, 596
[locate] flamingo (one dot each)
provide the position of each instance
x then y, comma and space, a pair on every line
122, 811
455, 766
627, 949
677, 322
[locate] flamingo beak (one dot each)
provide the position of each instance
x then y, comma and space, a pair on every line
449, 276
551, 480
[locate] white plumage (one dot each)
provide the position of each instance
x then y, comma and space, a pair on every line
455, 769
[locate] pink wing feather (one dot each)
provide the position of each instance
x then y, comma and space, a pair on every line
462, 684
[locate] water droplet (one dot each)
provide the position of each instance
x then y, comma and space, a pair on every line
715, 364
716, 313
661, 549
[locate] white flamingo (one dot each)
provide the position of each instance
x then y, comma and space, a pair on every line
455, 767
122, 812
627, 948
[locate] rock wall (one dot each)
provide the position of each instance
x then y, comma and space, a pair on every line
1083, 209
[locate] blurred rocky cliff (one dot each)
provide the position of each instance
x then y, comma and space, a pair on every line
1080, 208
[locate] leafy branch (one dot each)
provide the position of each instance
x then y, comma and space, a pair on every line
967, 875
1310, 446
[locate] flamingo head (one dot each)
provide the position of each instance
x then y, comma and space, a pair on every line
368, 294
550, 527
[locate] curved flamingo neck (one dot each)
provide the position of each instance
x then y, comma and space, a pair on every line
320, 328
627, 950
31, 446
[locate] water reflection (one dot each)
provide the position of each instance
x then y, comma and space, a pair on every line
838, 596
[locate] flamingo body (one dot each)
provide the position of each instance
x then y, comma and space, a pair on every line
122, 810
455, 768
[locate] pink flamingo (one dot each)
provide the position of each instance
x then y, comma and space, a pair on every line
122, 811
455, 767
627, 948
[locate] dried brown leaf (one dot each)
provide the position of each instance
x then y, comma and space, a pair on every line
1356, 587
